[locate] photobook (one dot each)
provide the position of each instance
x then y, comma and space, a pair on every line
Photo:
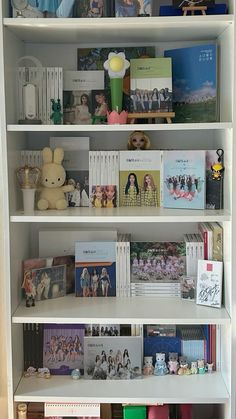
133, 8
151, 85
77, 100
194, 83
112, 358
140, 178
63, 348
94, 58
95, 269
184, 179
154, 262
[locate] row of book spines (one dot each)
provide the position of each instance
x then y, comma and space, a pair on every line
212, 235
123, 269
49, 83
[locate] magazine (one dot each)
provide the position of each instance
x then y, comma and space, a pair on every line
140, 178
94, 58
151, 85
194, 83
112, 358
95, 269
184, 179
77, 89
63, 348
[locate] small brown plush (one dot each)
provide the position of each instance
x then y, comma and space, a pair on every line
52, 193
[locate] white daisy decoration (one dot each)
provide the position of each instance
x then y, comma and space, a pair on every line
116, 65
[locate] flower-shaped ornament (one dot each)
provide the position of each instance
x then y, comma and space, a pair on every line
116, 65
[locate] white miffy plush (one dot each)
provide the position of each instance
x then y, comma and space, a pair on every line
52, 193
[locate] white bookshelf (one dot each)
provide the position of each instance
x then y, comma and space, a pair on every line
54, 42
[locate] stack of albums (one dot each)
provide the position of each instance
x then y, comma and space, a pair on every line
104, 179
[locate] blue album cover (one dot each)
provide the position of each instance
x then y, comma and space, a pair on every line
95, 269
194, 83
184, 179
155, 344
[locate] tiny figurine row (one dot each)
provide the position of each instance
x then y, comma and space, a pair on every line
110, 8
175, 365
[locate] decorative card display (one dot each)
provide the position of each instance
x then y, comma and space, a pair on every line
112, 358
153, 262
188, 288
151, 85
102, 330
140, 178
94, 58
100, 105
77, 89
49, 282
104, 196
95, 269
194, 83
184, 179
63, 348
191, 3
88, 8
133, 8
214, 187
209, 283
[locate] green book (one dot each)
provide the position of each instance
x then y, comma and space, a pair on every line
134, 412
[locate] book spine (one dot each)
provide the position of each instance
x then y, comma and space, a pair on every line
60, 85
21, 81
217, 242
44, 94
215, 348
118, 269
40, 92
203, 232
127, 269
48, 96
56, 83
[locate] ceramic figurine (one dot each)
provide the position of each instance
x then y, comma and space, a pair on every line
201, 366
194, 369
160, 365
56, 115
148, 368
30, 372
173, 364
138, 140
210, 368
184, 369
43, 373
75, 374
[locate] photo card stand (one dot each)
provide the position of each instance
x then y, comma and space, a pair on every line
150, 116
192, 9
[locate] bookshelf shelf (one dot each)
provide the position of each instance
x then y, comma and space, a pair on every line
121, 215
179, 28
189, 389
123, 310
117, 128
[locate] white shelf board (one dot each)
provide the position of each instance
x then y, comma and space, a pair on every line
207, 388
121, 310
118, 30
121, 215
117, 128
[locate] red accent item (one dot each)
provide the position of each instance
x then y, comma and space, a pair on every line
186, 411
158, 412
209, 267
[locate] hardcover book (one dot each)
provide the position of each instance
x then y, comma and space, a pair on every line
94, 58
133, 8
63, 348
95, 269
112, 358
151, 85
77, 89
140, 178
214, 187
184, 179
194, 83
155, 262
209, 283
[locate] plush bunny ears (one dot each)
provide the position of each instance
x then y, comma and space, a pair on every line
48, 156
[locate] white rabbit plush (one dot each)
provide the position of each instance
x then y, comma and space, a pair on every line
52, 193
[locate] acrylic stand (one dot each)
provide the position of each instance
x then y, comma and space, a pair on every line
192, 9
151, 115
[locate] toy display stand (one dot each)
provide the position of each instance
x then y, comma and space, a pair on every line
192, 9
150, 116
